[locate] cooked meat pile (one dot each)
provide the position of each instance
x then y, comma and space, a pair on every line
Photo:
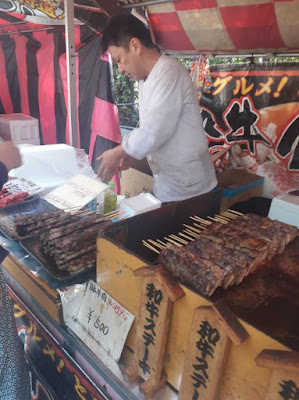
31, 225
72, 246
226, 253
68, 241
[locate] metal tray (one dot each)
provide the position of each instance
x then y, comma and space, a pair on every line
33, 248
35, 205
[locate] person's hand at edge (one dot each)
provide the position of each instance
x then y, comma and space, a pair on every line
10, 156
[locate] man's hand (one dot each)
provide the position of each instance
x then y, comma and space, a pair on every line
126, 163
10, 156
110, 163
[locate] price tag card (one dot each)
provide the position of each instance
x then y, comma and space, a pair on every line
75, 193
104, 319
22, 185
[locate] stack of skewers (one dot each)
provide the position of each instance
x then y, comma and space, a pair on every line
67, 240
221, 251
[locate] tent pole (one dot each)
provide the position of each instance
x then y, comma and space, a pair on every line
71, 71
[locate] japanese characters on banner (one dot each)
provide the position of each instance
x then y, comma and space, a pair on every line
45, 9
253, 109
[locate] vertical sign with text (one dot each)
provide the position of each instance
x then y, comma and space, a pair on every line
205, 357
284, 373
155, 310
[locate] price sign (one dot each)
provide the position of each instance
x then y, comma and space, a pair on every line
104, 319
75, 193
22, 185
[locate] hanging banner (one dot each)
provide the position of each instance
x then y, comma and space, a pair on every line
45, 9
253, 109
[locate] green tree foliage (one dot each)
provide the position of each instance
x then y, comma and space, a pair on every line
126, 95
126, 89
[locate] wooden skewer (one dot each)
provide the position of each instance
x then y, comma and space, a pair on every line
195, 235
160, 246
199, 226
204, 221
223, 217
187, 237
172, 241
150, 247
111, 213
192, 228
213, 219
235, 212
197, 220
117, 214
217, 220
230, 216
178, 239
160, 241
222, 220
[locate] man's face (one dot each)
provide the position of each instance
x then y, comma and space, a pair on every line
128, 61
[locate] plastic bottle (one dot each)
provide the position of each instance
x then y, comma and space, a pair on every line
110, 200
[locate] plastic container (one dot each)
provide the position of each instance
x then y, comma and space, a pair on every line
139, 204
19, 128
110, 201
285, 208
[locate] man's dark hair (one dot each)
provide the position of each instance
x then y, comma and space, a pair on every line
121, 29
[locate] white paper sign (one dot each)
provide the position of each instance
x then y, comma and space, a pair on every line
104, 319
22, 185
75, 193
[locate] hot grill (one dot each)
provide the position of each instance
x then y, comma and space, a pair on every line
224, 252
266, 299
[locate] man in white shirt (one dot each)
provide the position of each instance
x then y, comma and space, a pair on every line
170, 132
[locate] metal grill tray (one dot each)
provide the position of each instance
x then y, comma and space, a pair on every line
35, 205
33, 248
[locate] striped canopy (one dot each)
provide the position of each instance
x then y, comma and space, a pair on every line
227, 26
187, 26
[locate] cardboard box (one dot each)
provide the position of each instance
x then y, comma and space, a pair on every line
238, 185
134, 182
19, 128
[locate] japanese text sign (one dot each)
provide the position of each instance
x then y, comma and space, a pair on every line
284, 373
22, 185
205, 357
284, 385
152, 327
159, 292
104, 319
75, 193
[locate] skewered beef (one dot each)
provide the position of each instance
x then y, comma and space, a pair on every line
67, 241
225, 253
72, 247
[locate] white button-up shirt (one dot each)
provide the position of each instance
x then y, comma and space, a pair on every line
171, 135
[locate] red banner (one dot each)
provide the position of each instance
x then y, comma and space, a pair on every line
253, 110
